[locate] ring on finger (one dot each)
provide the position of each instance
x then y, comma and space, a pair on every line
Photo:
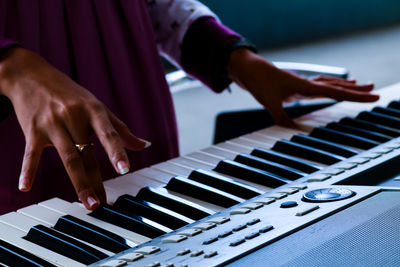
82, 147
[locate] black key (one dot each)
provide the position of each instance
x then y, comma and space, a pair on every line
64, 245
269, 166
250, 174
11, 255
394, 105
380, 138
379, 118
366, 125
225, 184
302, 151
175, 203
295, 163
152, 211
203, 192
91, 233
343, 138
323, 145
130, 222
387, 111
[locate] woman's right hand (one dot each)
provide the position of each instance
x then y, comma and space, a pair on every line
55, 111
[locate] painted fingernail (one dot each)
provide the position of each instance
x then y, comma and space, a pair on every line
23, 183
122, 167
147, 144
91, 202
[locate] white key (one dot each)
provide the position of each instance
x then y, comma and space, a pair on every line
246, 142
203, 157
20, 222
216, 151
279, 132
234, 148
40, 213
160, 176
195, 164
65, 207
171, 168
14, 236
264, 141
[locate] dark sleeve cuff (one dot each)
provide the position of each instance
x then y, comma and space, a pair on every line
6, 106
202, 52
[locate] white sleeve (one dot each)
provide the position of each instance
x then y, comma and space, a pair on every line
171, 19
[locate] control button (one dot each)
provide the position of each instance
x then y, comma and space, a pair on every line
334, 171
211, 240
237, 242
225, 234
219, 220
327, 194
347, 166
183, 252
183, 265
239, 227
252, 206
168, 265
278, 195
307, 210
371, 155
131, 257
266, 229
113, 263
383, 150
147, 250
174, 239
154, 264
289, 191
299, 186
359, 160
190, 232
265, 200
254, 221
397, 178
205, 226
318, 178
196, 253
239, 211
252, 235
210, 254
288, 204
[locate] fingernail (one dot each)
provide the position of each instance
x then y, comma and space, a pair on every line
23, 183
122, 167
91, 202
147, 144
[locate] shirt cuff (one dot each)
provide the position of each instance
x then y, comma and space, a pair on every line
202, 52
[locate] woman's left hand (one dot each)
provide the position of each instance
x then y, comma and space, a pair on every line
272, 86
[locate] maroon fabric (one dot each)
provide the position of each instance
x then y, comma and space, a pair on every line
203, 55
108, 47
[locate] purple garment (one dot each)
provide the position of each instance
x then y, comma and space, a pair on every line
107, 47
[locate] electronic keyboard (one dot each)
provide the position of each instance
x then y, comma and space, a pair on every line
324, 194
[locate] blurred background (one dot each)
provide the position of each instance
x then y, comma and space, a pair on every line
362, 36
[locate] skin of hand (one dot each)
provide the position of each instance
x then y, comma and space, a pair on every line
53, 110
272, 86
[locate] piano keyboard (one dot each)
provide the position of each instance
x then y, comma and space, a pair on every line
212, 206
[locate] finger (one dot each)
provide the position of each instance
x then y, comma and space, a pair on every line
340, 93
111, 141
130, 141
279, 115
74, 166
331, 79
80, 134
363, 87
30, 164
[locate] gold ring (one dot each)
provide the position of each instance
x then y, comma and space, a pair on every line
82, 147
